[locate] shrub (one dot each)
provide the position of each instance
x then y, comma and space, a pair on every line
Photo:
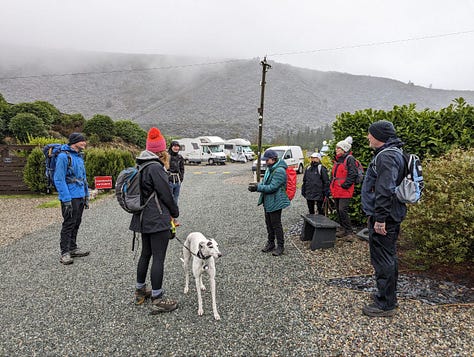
34, 171
131, 132
39, 109
69, 123
102, 126
441, 226
25, 123
100, 162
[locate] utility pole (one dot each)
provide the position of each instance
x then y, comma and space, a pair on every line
265, 67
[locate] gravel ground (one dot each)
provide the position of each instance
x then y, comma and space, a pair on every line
280, 306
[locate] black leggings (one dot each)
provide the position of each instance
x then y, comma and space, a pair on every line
153, 244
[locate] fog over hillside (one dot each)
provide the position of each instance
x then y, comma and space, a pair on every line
184, 99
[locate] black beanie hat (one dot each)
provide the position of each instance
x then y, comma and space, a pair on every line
75, 138
382, 130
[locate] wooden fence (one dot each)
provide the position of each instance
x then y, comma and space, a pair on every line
11, 169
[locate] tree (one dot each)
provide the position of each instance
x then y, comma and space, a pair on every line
26, 123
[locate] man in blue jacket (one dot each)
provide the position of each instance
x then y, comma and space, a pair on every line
71, 183
274, 199
385, 214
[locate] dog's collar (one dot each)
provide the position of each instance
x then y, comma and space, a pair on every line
202, 256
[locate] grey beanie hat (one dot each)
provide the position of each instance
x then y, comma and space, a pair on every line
75, 138
147, 155
382, 130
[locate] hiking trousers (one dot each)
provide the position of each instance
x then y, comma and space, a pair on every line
383, 256
153, 245
71, 225
342, 208
274, 227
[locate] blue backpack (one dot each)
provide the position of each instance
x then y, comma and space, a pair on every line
412, 185
51, 152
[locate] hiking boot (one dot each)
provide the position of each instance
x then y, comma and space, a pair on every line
268, 247
278, 251
66, 259
141, 295
159, 305
78, 252
373, 310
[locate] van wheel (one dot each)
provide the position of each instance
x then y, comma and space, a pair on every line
300, 169
186, 161
211, 162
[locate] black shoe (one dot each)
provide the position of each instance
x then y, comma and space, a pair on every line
278, 251
268, 247
374, 311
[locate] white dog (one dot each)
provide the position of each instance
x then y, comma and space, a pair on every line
203, 251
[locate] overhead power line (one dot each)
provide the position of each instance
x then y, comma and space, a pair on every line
370, 44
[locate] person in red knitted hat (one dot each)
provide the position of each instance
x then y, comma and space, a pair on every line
156, 143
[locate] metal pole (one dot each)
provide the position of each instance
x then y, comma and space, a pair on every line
265, 67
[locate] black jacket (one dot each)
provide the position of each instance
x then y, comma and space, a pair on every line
176, 166
315, 185
378, 189
156, 217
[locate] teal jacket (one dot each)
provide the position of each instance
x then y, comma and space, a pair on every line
273, 188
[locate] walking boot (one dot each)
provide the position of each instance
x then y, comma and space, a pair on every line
268, 247
141, 295
278, 251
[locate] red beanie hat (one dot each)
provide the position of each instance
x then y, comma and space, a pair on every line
155, 142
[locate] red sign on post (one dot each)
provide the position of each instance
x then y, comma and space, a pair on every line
103, 182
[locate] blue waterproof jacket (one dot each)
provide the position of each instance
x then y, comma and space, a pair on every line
70, 182
273, 188
378, 196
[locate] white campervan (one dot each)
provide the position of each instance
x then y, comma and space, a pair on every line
190, 150
212, 149
238, 150
293, 156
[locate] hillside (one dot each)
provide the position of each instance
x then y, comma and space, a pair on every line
219, 99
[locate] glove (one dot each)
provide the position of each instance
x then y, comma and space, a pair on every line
253, 187
86, 203
67, 209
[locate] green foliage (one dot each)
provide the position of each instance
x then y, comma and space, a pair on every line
42, 141
102, 126
441, 226
24, 124
54, 113
34, 171
131, 132
39, 109
100, 162
69, 123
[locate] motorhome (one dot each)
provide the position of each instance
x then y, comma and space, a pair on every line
208, 149
238, 150
212, 150
292, 155
190, 149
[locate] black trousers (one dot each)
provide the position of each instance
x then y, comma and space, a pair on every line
342, 208
383, 256
274, 227
153, 245
71, 225
311, 204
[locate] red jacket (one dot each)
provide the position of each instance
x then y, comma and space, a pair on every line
344, 174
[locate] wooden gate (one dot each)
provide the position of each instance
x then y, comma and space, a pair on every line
11, 169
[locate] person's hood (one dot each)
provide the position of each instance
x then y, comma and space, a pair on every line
147, 155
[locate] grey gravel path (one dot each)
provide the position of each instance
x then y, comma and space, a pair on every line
269, 305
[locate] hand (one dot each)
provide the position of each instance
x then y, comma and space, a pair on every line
380, 228
86, 203
67, 209
252, 187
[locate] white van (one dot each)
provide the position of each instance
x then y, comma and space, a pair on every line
190, 149
238, 150
293, 156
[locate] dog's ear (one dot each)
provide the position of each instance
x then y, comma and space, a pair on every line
201, 244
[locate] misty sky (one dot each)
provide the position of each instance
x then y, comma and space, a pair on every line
322, 35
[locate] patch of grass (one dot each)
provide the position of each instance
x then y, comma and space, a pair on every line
50, 204
30, 195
